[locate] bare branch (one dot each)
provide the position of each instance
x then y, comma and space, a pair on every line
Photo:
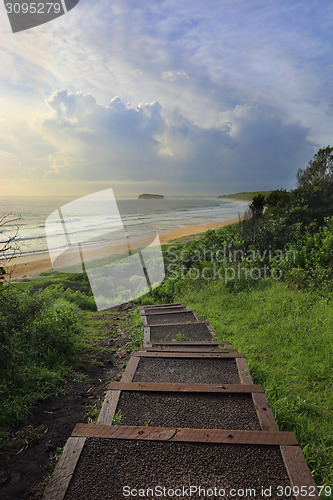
8, 244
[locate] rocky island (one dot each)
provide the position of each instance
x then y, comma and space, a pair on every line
147, 196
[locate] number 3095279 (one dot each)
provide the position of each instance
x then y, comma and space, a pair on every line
33, 8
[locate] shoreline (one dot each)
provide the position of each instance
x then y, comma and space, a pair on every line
24, 267
240, 200
193, 229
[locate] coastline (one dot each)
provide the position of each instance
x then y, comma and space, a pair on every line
24, 267
240, 200
193, 229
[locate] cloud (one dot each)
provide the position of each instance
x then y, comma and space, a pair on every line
252, 146
208, 56
238, 93
265, 147
173, 76
10, 163
81, 141
96, 142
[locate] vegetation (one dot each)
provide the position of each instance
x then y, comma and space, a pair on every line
180, 337
47, 330
42, 331
117, 417
246, 195
8, 245
266, 284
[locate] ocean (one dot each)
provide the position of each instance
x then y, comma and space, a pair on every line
137, 216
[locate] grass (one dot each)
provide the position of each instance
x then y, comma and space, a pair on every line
117, 417
47, 330
92, 413
287, 339
180, 337
136, 332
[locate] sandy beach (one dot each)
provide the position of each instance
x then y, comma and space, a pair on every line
24, 267
195, 229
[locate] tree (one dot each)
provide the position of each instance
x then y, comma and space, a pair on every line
315, 188
319, 169
278, 199
8, 244
258, 205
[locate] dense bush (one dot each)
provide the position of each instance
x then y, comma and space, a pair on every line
39, 333
34, 323
292, 240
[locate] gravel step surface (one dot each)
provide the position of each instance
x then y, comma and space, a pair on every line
187, 370
162, 319
199, 411
188, 331
149, 310
107, 466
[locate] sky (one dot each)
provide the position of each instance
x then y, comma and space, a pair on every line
178, 97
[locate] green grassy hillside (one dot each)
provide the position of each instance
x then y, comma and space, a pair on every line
246, 196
